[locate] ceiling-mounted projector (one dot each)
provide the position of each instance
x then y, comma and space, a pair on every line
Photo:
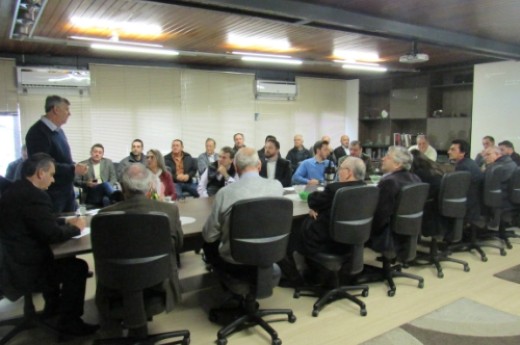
414, 56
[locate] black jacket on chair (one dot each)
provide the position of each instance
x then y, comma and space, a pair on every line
27, 228
282, 173
389, 186
315, 234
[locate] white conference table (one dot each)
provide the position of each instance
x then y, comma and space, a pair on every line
199, 209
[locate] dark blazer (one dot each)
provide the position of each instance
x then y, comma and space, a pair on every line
106, 170
282, 172
509, 167
40, 138
139, 203
338, 153
315, 234
475, 188
389, 188
190, 165
27, 228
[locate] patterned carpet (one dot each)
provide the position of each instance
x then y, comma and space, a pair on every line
511, 274
463, 322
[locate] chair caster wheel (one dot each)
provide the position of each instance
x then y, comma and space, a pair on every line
276, 341
364, 293
466, 268
484, 259
421, 284
186, 341
296, 294
440, 274
391, 293
222, 341
292, 318
509, 246
503, 252
315, 313
363, 312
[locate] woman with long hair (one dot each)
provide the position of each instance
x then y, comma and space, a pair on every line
155, 162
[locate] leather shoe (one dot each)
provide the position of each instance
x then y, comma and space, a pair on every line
74, 326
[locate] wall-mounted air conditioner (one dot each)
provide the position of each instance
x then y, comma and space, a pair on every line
275, 90
43, 77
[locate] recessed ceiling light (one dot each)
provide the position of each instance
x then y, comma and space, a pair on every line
136, 28
259, 42
356, 55
130, 49
272, 60
110, 40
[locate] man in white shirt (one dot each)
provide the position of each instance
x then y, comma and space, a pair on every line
218, 174
342, 150
424, 146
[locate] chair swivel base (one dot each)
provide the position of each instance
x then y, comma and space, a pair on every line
387, 273
148, 340
330, 296
436, 261
251, 316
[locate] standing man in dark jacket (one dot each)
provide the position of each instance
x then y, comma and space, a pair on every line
47, 136
27, 229
183, 168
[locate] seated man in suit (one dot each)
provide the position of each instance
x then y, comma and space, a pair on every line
396, 165
274, 166
218, 174
27, 229
99, 182
216, 230
342, 150
207, 157
356, 150
314, 236
459, 155
136, 181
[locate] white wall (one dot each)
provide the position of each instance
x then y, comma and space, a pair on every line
496, 104
159, 104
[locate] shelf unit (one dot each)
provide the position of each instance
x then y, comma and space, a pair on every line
436, 103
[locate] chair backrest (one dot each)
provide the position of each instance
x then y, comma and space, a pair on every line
351, 220
407, 218
259, 234
492, 186
131, 250
453, 194
514, 187
453, 203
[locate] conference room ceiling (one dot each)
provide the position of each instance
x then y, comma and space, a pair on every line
207, 32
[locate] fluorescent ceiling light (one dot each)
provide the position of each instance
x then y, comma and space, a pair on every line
356, 62
259, 42
137, 28
129, 49
111, 40
264, 55
356, 55
364, 67
271, 60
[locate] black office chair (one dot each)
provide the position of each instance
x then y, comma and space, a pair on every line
492, 199
511, 216
350, 224
30, 319
259, 234
132, 254
405, 226
446, 219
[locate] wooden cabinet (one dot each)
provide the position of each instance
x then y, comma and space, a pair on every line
438, 104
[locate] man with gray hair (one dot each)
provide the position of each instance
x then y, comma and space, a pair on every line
424, 146
136, 181
395, 165
314, 236
216, 230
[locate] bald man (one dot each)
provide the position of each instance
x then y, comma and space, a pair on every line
298, 153
343, 149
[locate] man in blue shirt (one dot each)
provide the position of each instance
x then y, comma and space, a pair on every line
312, 171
